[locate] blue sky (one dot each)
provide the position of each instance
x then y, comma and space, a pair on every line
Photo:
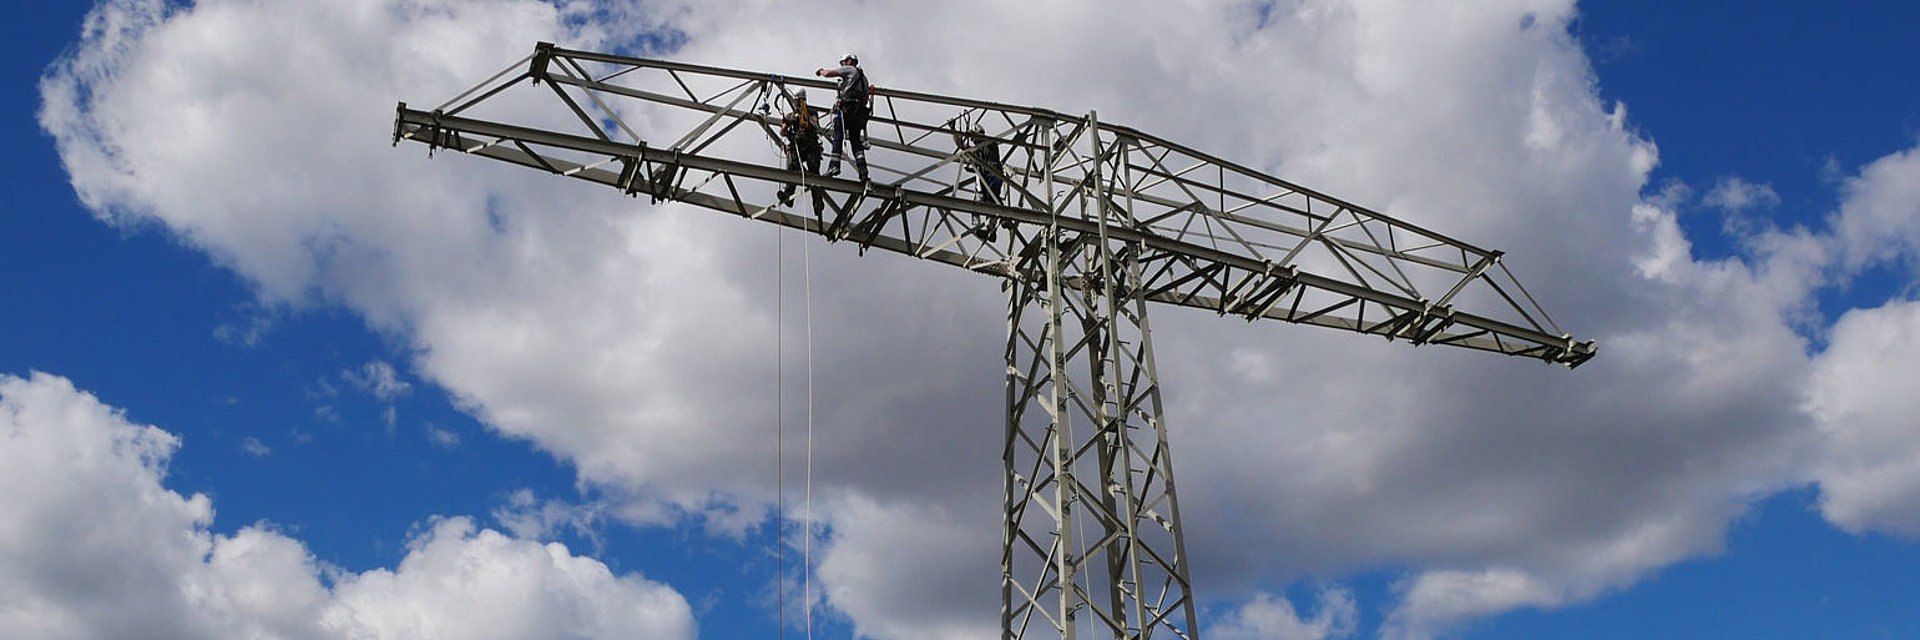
283, 419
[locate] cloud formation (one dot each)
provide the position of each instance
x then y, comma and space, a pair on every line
379, 379
1861, 398
1267, 617
1736, 195
637, 342
95, 547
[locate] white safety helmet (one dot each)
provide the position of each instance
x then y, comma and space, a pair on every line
977, 130
850, 57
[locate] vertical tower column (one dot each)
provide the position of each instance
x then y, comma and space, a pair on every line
1092, 544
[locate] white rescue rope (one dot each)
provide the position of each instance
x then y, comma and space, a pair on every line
806, 262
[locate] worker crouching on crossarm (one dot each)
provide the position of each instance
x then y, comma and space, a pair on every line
851, 107
981, 155
800, 134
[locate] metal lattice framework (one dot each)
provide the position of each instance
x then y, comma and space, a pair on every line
1097, 220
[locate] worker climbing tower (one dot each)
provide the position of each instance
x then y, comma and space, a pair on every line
1084, 223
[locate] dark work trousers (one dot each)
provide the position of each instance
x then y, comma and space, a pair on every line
799, 154
851, 124
991, 182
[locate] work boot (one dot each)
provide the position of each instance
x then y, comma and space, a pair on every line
833, 167
984, 231
786, 197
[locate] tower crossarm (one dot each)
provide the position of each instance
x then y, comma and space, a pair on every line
1206, 232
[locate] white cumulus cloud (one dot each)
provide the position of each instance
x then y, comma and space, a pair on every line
1270, 617
502, 588
95, 547
1441, 598
1879, 221
1863, 397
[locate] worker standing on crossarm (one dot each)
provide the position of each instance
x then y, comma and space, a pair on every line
983, 159
981, 155
800, 131
850, 108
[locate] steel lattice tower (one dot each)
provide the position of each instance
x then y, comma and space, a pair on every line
1097, 221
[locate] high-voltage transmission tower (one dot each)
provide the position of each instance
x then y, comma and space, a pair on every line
1098, 221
